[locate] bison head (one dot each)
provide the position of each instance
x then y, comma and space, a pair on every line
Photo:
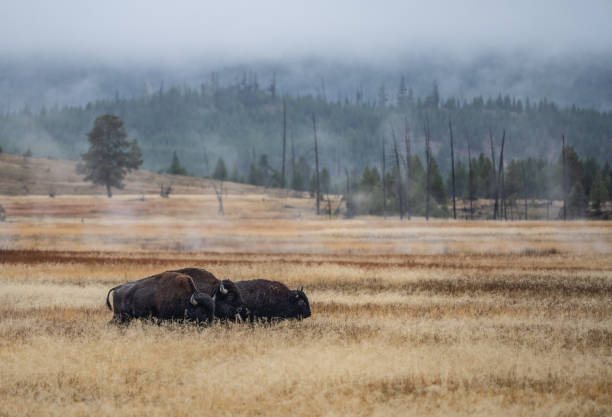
202, 307
298, 302
228, 301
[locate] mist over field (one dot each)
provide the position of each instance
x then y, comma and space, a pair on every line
71, 53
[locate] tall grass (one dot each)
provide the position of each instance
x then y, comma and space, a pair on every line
408, 319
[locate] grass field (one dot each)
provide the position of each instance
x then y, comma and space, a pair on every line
409, 318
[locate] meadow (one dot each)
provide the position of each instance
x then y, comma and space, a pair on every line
409, 317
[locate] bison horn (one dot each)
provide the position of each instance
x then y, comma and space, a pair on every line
193, 300
222, 289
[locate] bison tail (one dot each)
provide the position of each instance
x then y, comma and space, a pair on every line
107, 295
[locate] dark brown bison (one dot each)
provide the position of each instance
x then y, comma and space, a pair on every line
272, 300
229, 303
166, 296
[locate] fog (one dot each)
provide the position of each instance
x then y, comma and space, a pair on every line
159, 32
71, 53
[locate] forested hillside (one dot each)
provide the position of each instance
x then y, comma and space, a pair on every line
237, 131
237, 121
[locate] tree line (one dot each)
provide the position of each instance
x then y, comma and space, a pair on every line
408, 187
231, 120
402, 184
248, 133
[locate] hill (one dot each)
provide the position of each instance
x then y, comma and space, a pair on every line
20, 175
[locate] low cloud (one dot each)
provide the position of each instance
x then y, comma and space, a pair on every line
160, 32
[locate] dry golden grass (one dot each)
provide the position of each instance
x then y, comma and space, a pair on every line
409, 318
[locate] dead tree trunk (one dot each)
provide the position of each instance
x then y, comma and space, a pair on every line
564, 180
316, 149
524, 187
165, 192
450, 128
292, 159
384, 180
399, 178
206, 162
349, 197
283, 181
496, 207
428, 170
218, 187
504, 203
470, 179
407, 143
500, 175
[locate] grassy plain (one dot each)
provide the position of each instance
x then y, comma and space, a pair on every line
409, 317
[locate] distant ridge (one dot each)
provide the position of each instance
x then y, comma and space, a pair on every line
21, 175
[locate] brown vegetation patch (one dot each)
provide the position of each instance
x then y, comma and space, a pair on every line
511, 386
473, 309
519, 286
453, 262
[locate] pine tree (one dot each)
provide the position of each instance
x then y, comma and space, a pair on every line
111, 156
402, 93
325, 181
599, 192
577, 202
220, 172
438, 191
255, 175
175, 167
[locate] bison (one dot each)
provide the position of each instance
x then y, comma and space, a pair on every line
229, 303
166, 296
272, 300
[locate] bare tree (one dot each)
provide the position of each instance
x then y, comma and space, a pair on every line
500, 176
399, 178
407, 143
384, 179
316, 149
450, 128
428, 169
164, 192
206, 162
330, 209
564, 179
218, 186
504, 202
495, 209
292, 158
283, 181
470, 181
349, 197
524, 187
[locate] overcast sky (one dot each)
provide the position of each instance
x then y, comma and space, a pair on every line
166, 31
